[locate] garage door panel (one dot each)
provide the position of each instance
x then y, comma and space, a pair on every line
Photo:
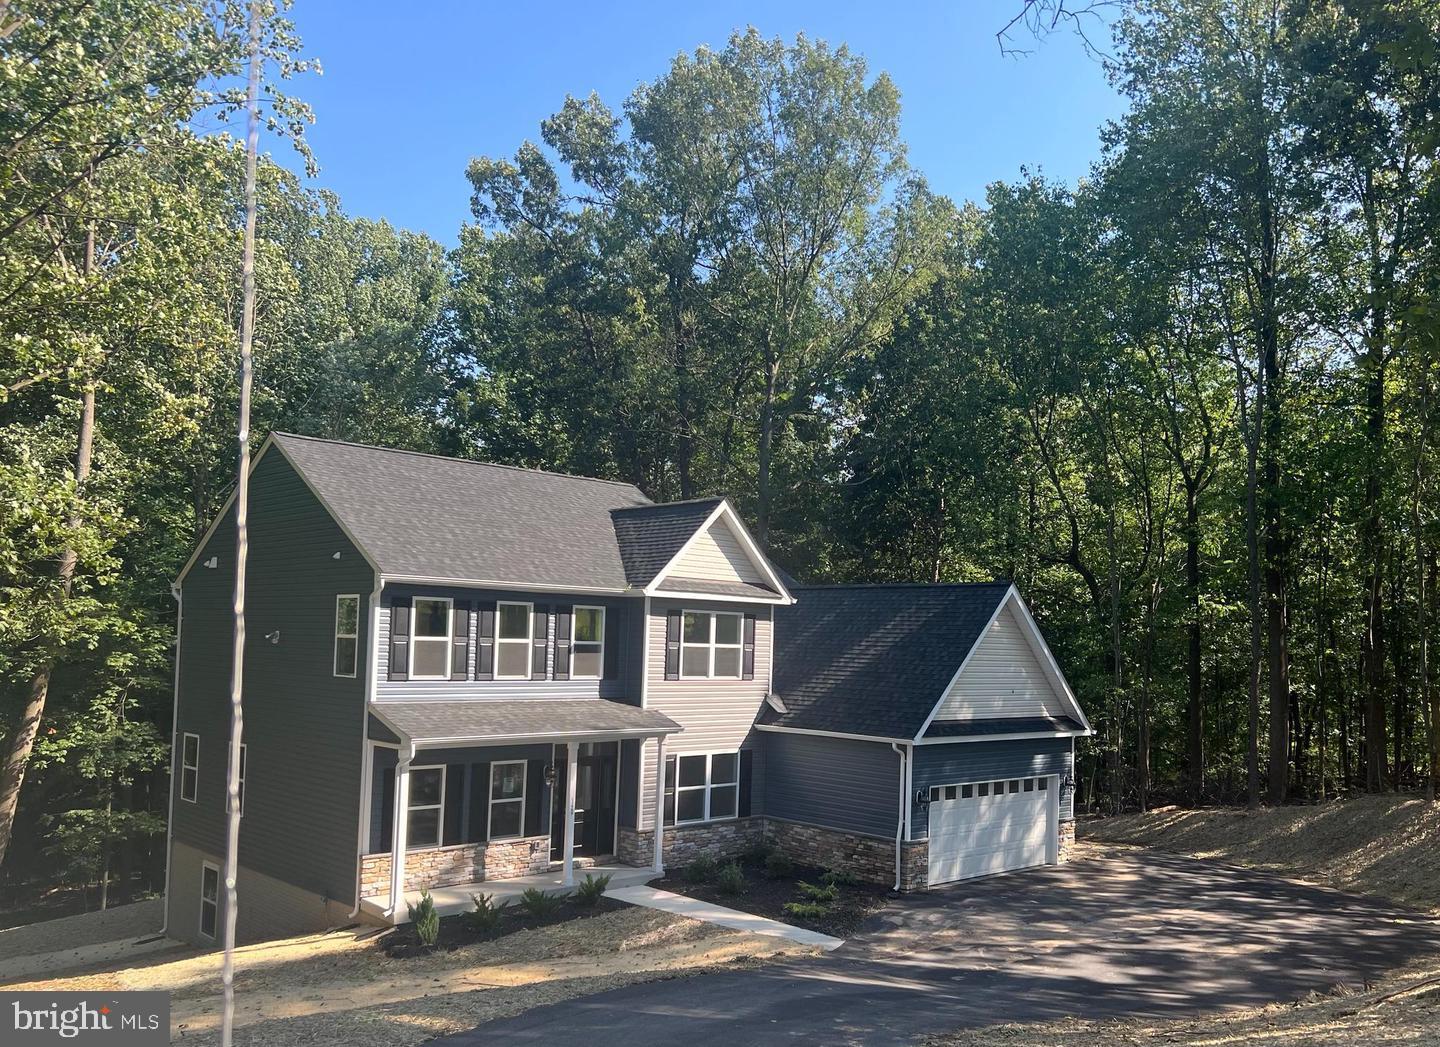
981, 835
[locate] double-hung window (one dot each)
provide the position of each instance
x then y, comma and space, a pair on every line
507, 799
189, 767
587, 649
209, 899
430, 639
705, 787
347, 634
514, 624
426, 807
710, 645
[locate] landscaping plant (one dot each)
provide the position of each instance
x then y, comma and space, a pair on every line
843, 877
541, 904
827, 894
756, 853
702, 869
731, 878
777, 866
486, 914
807, 910
590, 891
425, 919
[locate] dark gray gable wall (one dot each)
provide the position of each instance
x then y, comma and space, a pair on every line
302, 723
960, 762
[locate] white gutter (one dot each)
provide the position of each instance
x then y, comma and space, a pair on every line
367, 763
174, 726
903, 815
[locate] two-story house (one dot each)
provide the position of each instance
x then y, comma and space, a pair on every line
459, 672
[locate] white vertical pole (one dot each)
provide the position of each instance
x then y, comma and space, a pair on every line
659, 863
397, 847
571, 767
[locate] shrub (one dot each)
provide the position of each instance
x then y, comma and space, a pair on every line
807, 910
425, 919
540, 903
824, 894
842, 877
731, 879
486, 914
589, 892
777, 866
756, 853
702, 869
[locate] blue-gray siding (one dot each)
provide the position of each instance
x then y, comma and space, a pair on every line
987, 761
838, 783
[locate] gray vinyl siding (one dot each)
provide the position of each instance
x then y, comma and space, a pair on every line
302, 723
718, 557
622, 618
962, 762
838, 783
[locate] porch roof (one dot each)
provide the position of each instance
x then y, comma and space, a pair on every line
486, 721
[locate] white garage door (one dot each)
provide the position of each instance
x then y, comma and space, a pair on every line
978, 828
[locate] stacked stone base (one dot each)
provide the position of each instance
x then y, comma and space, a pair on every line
461, 863
1067, 840
684, 843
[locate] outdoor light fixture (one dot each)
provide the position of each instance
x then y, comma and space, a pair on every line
336, 556
274, 637
549, 774
1067, 784
922, 797
213, 562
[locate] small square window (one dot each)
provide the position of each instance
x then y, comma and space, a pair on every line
1029, 785
1044, 784
998, 789
949, 792
984, 789
690, 805
934, 794
967, 791
692, 770
1015, 785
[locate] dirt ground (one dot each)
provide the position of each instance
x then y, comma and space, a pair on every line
340, 988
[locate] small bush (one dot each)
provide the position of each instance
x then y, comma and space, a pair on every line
590, 890
841, 877
807, 910
702, 869
731, 878
826, 895
486, 914
540, 903
425, 919
777, 866
756, 853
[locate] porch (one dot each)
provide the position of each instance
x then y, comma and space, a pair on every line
497, 796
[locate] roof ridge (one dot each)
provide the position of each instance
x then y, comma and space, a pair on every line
906, 585
668, 505
467, 461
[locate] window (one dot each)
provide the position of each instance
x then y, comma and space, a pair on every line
705, 787
513, 635
430, 639
710, 645
347, 633
587, 650
189, 767
1044, 784
427, 804
242, 783
507, 800
209, 899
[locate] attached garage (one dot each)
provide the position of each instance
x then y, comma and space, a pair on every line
980, 828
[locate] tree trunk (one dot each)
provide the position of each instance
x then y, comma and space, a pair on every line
766, 449
1195, 710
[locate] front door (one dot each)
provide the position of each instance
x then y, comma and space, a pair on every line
596, 778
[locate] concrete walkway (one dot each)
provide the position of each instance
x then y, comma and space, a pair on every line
718, 914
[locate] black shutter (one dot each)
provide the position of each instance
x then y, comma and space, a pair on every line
453, 831
669, 790
460, 641
400, 638
479, 803
539, 640
747, 671
672, 645
615, 617
536, 807
743, 809
387, 812
564, 617
485, 642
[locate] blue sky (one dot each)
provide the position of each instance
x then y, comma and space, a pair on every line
411, 92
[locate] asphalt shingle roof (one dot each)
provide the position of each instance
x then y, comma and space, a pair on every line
676, 584
873, 659
651, 535
1006, 725
461, 721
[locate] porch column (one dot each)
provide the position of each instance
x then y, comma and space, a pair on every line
401, 823
659, 863
571, 769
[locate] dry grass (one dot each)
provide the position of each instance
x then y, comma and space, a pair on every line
1388, 846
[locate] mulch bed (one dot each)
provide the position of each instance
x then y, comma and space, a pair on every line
768, 896
456, 932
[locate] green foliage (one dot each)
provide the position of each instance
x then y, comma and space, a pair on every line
486, 915
756, 852
731, 878
541, 904
806, 910
824, 893
701, 869
591, 889
425, 919
840, 877
777, 866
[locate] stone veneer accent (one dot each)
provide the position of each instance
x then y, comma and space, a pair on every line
684, 843
1067, 840
459, 863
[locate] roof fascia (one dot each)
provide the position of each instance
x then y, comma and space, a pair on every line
1003, 737
1042, 651
831, 734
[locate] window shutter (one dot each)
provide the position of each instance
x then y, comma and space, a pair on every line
535, 808
479, 820
485, 642
400, 638
564, 617
539, 641
460, 640
747, 671
453, 814
670, 790
746, 755
613, 619
672, 645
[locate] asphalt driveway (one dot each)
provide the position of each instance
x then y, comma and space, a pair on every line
1144, 935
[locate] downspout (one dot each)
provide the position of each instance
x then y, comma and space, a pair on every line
903, 813
174, 725
367, 762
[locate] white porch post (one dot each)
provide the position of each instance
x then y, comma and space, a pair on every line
401, 820
571, 767
659, 863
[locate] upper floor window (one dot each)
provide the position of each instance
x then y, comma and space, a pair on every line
430, 639
513, 638
710, 645
347, 634
189, 767
587, 652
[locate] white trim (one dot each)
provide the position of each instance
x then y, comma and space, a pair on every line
555, 737
415, 638
529, 640
902, 816
832, 734
490, 800
572, 774
1042, 650
207, 865
747, 543
1018, 736
707, 788
713, 644
496, 583
174, 784
685, 594
335, 654
190, 767
644, 668
939, 701
909, 791
574, 617
367, 754
438, 808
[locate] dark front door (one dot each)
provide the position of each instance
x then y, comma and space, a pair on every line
595, 783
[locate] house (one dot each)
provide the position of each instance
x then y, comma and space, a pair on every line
498, 672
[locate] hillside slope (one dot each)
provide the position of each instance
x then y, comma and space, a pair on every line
1382, 845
